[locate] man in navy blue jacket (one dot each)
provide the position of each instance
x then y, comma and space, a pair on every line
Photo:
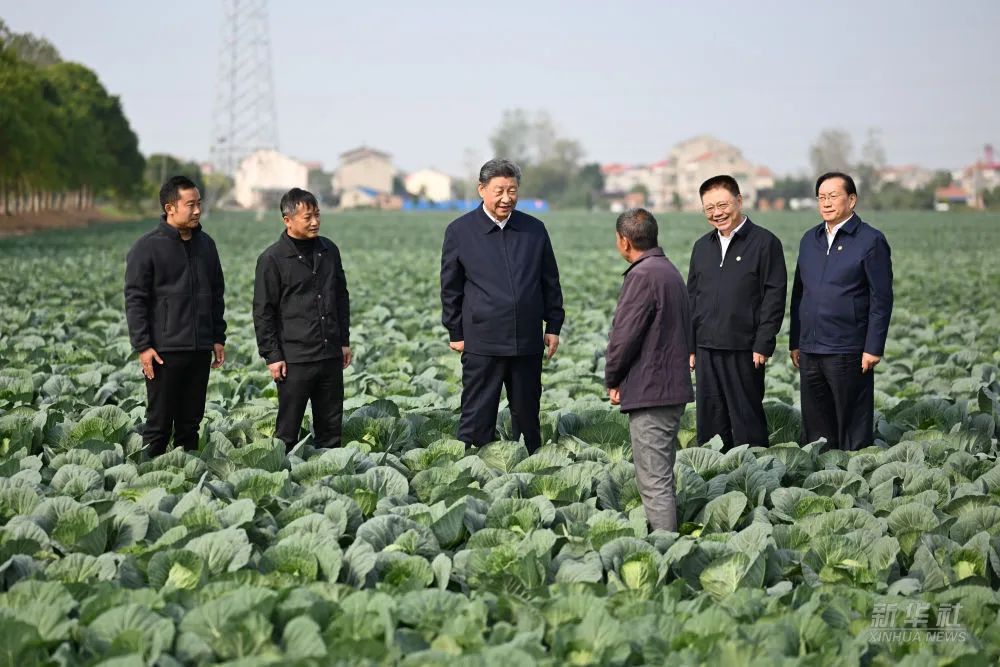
841, 305
499, 281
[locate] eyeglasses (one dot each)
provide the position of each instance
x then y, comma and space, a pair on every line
722, 208
822, 199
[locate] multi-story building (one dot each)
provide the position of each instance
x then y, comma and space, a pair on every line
364, 167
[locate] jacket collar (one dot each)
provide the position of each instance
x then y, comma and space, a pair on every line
745, 230
513, 222
290, 249
849, 227
172, 232
652, 252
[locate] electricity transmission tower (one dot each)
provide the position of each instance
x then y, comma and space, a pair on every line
244, 118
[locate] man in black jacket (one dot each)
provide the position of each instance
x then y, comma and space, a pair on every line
302, 318
645, 368
175, 307
737, 283
499, 281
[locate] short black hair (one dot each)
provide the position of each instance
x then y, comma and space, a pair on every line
290, 201
499, 167
638, 226
170, 191
849, 185
724, 181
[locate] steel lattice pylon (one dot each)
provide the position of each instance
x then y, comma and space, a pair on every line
244, 119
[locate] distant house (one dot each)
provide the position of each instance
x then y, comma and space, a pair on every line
620, 180
370, 198
263, 175
363, 167
429, 185
983, 174
908, 176
675, 181
952, 195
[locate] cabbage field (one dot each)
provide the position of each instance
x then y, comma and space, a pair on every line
400, 549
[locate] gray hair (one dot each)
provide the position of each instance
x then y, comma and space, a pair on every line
638, 226
499, 167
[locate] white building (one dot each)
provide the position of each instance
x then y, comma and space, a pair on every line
267, 173
429, 184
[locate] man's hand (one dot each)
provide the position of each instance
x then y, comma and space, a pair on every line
146, 358
794, 354
615, 396
218, 355
691, 363
279, 370
457, 345
759, 360
348, 356
869, 361
551, 343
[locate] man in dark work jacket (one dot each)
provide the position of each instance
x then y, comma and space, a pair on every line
737, 283
499, 281
646, 369
175, 309
302, 318
841, 305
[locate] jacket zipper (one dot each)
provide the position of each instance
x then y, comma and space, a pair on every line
193, 288
510, 279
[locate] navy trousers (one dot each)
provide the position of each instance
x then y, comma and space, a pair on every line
729, 398
482, 378
838, 400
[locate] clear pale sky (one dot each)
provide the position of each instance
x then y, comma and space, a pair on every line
427, 81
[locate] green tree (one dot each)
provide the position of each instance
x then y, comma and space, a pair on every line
550, 164
63, 139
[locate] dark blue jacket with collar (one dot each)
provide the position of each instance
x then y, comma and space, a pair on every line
842, 298
498, 285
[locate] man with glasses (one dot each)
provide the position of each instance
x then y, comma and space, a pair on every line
841, 305
736, 286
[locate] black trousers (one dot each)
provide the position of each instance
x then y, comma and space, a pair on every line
175, 400
730, 394
482, 377
319, 382
838, 400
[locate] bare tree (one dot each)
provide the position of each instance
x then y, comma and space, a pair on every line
831, 151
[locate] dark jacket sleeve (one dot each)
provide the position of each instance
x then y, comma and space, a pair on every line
266, 298
452, 287
692, 287
218, 301
774, 286
878, 270
343, 302
794, 328
551, 291
633, 315
139, 297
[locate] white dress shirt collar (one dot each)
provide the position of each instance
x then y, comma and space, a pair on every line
499, 223
832, 233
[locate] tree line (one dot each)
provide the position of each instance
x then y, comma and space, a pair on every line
64, 141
